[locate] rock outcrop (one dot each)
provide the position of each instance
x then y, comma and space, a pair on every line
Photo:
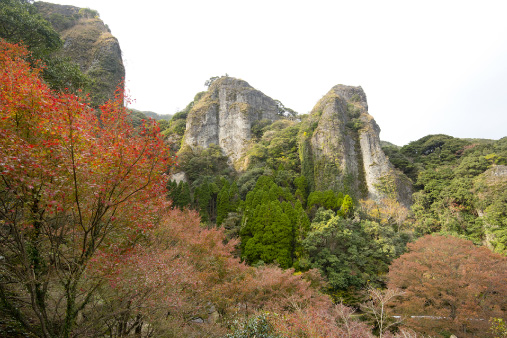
89, 43
340, 149
224, 116
339, 143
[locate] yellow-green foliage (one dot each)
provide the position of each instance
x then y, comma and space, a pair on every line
88, 13
202, 105
386, 184
243, 107
85, 37
323, 102
490, 190
278, 146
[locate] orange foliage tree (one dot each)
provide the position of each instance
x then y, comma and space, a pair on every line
388, 212
450, 286
71, 185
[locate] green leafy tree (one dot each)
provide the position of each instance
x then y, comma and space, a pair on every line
277, 146
347, 206
183, 199
200, 162
300, 224
21, 23
301, 193
267, 236
203, 198
223, 202
350, 253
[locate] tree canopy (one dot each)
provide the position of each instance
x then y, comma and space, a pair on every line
450, 286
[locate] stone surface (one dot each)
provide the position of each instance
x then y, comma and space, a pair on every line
340, 149
496, 174
89, 43
179, 177
224, 116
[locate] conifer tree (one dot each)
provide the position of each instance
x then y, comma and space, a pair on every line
234, 196
273, 225
185, 199
347, 207
223, 203
301, 193
202, 199
177, 195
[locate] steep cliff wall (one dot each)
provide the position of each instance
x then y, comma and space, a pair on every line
340, 149
88, 42
224, 116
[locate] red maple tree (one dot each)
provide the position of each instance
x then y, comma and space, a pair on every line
71, 184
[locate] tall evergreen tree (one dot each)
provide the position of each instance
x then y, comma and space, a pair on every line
273, 224
184, 200
223, 202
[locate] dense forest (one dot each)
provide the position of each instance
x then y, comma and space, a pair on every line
110, 226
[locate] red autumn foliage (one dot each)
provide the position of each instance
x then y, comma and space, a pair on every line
333, 322
450, 285
71, 184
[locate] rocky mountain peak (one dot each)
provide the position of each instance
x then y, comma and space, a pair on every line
224, 116
88, 42
338, 143
351, 93
340, 149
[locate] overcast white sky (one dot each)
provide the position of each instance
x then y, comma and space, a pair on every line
427, 67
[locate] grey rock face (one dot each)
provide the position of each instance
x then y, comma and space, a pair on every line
89, 43
340, 149
224, 116
496, 173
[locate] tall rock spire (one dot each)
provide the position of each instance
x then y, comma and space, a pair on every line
340, 149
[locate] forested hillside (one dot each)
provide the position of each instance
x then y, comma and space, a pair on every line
235, 217
460, 186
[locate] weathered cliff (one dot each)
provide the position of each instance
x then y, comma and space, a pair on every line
89, 43
340, 149
224, 116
